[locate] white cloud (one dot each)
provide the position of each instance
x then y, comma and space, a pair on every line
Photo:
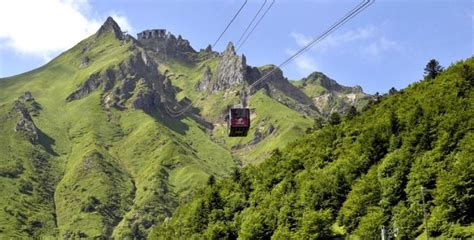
122, 21
367, 42
380, 45
301, 39
305, 64
370, 39
45, 28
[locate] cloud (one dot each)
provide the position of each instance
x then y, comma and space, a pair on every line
45, 28
382, 44
370, 39
301, 39
122, 21
305, 64
367, 42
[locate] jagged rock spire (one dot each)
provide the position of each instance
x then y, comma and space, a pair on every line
230, 49
231, 70
110, 26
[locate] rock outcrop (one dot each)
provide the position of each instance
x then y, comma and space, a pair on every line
329, 84
231, 70
25, 124
110, 26
206, 79
165, 44
135, 82
329, 96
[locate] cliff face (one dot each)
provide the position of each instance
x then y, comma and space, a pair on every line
165, 44
231, 70
134, 83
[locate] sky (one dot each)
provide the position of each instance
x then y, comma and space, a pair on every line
387, 45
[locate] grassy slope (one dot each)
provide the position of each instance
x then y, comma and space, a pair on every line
109, 164
289, 124
354, 177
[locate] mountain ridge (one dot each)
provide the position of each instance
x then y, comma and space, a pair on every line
100, 153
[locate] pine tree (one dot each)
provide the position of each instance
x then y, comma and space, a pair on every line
433, 69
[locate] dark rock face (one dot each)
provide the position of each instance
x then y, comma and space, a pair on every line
270, 129
165, 44
135, 81
25, 124
91, 84
203, 84
110, 26
27, 96
231, 70
84, 62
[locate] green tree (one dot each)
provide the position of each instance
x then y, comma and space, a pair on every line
370, 224
334, 118
351, 113
392, 91
433, 69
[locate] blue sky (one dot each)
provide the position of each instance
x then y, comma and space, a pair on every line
387, 45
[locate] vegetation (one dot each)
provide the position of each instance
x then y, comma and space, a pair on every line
80, 169
354, 177
95, 173
433, 69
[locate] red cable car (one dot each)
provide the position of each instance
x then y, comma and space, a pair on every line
239, 122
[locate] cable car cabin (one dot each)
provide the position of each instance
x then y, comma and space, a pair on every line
239, 122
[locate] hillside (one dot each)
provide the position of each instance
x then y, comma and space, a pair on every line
107, 139
352, 178
329, 96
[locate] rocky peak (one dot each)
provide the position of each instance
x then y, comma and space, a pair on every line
329, 96
231, 70
110, 26
329, 84
164, 43
230, 50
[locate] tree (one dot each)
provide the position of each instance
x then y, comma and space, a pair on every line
392, 91
351, 113
334, 118
211, 180
433, 69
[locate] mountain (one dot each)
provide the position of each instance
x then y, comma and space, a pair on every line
107, 139
329, 96
407, 153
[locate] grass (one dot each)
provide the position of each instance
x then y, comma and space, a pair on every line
288, 123
108, 166
111, 173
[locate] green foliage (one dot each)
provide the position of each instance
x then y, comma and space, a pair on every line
95, 172
361, 174
433, 69
334, 118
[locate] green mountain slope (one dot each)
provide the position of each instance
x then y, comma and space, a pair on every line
107, 139
75, 167
355, 177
